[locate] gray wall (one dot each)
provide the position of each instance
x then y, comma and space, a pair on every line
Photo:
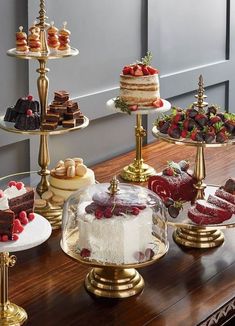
186, 37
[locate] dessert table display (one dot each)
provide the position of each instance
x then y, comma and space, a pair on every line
10, 313
41, 48
138, 171
187, 233
115, 228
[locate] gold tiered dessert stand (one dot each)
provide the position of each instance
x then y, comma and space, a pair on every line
53, 214
106, 279
186, 233
138, 171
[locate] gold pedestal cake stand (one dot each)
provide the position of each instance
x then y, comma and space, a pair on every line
187, 233
138, 171
111, 281
43, 86
10, 313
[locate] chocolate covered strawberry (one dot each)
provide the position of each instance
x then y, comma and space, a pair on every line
201, 119
174, 131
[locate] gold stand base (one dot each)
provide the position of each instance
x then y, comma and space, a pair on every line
137, 173
114, 283
13, 315
198, 238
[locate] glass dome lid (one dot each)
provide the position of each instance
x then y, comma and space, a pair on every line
114, 225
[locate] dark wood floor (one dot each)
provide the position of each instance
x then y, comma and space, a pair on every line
186, 287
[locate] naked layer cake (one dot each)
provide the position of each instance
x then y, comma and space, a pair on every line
139, 86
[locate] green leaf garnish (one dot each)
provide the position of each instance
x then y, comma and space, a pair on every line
122, 105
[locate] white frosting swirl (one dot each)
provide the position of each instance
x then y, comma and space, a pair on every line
12, 192
4, 203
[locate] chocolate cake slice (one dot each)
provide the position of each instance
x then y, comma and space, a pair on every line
7, 218
24, 202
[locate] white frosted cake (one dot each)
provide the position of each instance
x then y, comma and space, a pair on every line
68, 176
118, 239
139, 85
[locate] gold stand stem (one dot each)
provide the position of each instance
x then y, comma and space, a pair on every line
10, 314
138, 171
43, 156
114, 283
200, 173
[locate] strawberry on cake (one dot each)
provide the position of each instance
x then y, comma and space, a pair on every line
217, 208
139, 86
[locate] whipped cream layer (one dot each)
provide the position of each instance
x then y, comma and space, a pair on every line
115, 240
4, 203
12, 192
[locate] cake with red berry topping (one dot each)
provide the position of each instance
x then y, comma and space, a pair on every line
25, 114
16, 209
175, 182
139, 86
116, 229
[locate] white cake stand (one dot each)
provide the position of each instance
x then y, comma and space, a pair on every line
138, 171
35, 233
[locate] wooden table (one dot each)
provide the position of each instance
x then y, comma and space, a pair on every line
187, 287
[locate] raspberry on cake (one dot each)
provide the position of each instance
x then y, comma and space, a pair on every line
16, 208
139, 86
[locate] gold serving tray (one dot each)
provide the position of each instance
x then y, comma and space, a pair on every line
9, 126
43, 56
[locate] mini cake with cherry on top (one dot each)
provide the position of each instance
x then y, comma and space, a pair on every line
139, 86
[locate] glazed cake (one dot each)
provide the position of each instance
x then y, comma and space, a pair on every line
25, 114
68, 176
114, 232
139, 85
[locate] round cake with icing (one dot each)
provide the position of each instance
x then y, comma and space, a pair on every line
139, 85
70, 175
114, 224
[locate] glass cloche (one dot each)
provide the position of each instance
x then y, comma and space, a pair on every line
114, 225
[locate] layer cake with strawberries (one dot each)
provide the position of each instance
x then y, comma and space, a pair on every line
139, 86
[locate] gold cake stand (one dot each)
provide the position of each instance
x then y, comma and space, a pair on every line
43, 86
138, 171
110, 280
186, 233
